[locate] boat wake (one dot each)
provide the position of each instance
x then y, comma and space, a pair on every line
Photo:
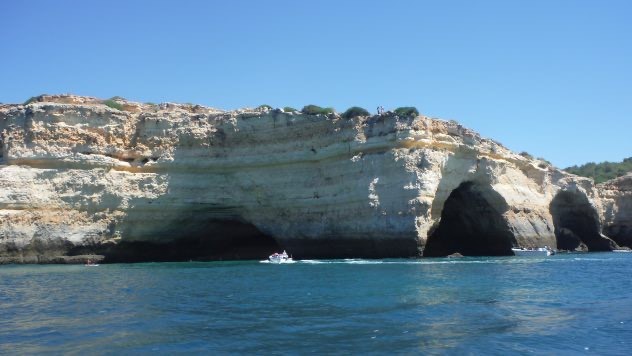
290, 261
408, 262
565, 258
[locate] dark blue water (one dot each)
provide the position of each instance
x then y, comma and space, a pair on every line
565, 304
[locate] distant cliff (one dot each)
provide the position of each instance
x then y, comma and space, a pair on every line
137, 182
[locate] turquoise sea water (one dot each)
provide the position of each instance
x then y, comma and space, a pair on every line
565, 304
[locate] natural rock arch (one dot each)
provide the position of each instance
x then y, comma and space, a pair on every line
198, 239
472, 224
576, 223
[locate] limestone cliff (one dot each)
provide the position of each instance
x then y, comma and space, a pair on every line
616, 196
173, 182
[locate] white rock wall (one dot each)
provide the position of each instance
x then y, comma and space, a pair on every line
79, 173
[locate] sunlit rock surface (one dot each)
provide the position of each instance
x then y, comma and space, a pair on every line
179, 182
616, 195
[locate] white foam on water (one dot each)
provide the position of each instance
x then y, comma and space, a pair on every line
282, 263
448, 261
387, 262
312, 261
591, 259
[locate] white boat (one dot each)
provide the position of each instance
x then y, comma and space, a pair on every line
536, 252
280, 258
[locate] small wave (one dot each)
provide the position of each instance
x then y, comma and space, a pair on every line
445, 261
344, 261
312, 261
355, 261
591, 259
392, 262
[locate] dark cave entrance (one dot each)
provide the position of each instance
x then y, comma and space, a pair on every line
577, 223
211, 240
620, 233
471, 224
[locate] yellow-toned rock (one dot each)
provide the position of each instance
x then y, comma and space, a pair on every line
174, 182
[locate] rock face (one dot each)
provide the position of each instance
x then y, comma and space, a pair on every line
616, 195
175, 182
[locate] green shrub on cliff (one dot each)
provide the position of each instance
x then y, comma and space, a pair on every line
113, 104
545, 161
264, 106
316, 110
289, 109
355, 111
31, 100
407, 111
603, 171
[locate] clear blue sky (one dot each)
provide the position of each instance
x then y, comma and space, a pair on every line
553, 78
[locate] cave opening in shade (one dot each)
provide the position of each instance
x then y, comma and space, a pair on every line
210, 240
576, 223
471, 224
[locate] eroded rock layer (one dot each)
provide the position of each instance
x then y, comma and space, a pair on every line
176, 182
616, 195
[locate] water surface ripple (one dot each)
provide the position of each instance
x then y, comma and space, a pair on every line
563, 304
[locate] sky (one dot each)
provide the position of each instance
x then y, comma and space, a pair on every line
552, 78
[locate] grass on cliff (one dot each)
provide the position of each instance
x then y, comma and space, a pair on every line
32, 99
603, 171
355, 111
113, 104
316, 110
407, 111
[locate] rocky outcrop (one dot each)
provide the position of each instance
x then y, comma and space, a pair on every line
174, 182
616, 196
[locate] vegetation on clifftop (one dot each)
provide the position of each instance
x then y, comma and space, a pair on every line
603, 171
407, 111
113, 104
355, 111
316, 110
31, 100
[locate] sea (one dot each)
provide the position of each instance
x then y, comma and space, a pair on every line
567, 304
